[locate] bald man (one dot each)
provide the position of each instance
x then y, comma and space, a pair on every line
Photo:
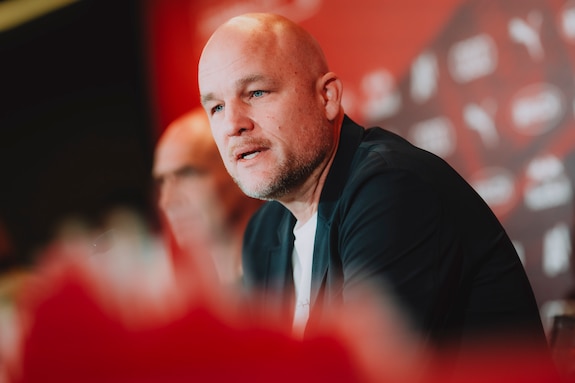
350, 207
205, 210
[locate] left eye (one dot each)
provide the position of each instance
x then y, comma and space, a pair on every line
258, 93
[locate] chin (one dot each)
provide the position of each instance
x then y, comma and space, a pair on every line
256, 195
261, 188
249, 189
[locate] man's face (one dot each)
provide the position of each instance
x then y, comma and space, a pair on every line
266, 114
194, 190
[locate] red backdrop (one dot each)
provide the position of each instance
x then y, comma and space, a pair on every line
488, 86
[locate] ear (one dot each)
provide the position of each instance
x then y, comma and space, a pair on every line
331, 90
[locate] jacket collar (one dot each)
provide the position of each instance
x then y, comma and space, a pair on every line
350, 137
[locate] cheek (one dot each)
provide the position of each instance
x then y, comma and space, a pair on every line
196, 192
205, 199
217, 134
221, 144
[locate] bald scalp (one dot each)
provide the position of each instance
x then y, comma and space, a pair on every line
278, 34
194, 122
192, 132
191, 127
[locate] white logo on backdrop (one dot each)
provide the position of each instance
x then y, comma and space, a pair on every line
556, 250
527, 32
480, 118
566, 21
547, 184
537, 108
424, 76
472, 58
382, 99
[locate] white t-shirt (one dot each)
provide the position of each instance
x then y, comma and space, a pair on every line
302, 259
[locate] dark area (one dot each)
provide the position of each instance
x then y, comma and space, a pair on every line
75, 122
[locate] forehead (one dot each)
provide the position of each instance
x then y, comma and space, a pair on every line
179, 152
229, 59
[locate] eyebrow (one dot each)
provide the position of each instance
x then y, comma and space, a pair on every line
240, 84
204, 99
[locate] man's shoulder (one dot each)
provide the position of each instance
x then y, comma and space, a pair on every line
380, 139
384, 150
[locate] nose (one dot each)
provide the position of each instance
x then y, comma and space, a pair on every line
237, 120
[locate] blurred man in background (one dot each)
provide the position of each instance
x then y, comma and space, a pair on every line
206, 213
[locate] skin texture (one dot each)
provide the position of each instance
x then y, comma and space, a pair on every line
266, 88
204, 209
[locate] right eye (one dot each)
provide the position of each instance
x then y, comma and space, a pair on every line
217, 108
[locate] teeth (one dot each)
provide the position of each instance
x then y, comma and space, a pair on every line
249, 156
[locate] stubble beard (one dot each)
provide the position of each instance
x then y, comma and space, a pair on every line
290, 175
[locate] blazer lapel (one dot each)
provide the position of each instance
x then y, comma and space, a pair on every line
280, 272
350, 138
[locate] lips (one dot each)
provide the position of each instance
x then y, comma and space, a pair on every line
250, 155
246, 152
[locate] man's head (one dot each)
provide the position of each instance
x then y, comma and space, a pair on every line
274, 108
199, 200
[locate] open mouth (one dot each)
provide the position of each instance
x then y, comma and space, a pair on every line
249, 155
248, 150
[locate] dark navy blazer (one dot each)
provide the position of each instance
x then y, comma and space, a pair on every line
402, 219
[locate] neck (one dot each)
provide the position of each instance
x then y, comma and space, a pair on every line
304, 204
